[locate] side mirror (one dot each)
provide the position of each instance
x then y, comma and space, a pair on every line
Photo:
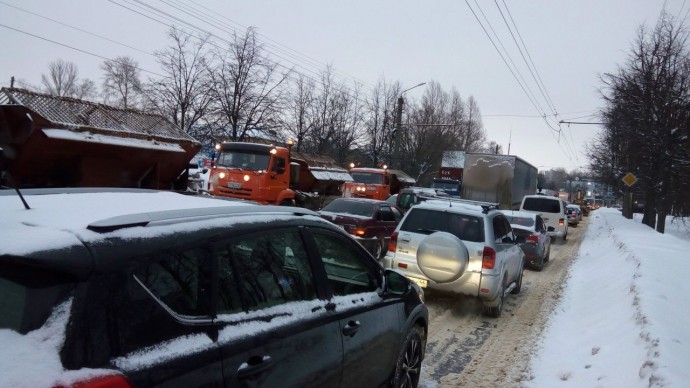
396, 284
204, 170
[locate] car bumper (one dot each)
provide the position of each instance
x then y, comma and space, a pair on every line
557, 233
470, 283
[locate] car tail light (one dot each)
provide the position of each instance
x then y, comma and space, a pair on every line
393, 242
561, 221
533, 239
360, 231
488, 258
111, 381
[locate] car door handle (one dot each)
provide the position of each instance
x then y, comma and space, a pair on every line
254, 366
351, 328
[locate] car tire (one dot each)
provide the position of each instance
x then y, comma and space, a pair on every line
378, 249
495, 311
565, 236
518, 281
408, 367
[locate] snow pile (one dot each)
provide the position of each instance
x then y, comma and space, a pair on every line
624, 315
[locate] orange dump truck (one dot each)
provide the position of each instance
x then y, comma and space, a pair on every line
274, 175
376, 183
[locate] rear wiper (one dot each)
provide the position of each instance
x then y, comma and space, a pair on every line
427, 231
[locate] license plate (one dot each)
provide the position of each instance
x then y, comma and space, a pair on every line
420, 282
234, 185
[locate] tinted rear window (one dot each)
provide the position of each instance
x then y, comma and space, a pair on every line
357, 208
468, 228
28, 296
544, 205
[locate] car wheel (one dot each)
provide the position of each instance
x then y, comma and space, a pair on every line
518, 281
378, 249
547, 257
495, 311
409, 365
565, 236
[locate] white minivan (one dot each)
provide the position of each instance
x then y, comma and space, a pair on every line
552, 210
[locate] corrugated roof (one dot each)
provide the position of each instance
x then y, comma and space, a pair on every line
77, 114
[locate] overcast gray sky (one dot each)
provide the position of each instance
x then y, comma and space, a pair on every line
571, 43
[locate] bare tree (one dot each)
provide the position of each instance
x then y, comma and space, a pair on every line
380, 115
63, 80
245, 86
121, 81
646, 111
297, 118
183, 93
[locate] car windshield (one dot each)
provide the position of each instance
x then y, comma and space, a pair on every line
358, 208
28, 296
426, 221
524, 221
244, 160
545, 205
367, 177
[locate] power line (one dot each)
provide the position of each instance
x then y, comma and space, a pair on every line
538, 109
71, 47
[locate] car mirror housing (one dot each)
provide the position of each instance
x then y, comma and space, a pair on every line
396, 284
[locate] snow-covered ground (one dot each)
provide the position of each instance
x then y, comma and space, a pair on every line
624, 317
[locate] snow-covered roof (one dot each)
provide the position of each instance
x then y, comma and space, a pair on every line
81, 115
64, 134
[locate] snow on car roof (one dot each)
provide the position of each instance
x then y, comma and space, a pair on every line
58, 221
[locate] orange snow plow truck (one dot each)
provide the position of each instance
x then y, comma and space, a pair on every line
274, 175
376, 183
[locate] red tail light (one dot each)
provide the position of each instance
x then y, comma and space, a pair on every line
561, 222
112, 381
533, 239
360, 231
393, 243
488, 258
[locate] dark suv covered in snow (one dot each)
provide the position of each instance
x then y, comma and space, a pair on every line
117, 288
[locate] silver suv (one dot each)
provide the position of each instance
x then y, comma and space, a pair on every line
460, 246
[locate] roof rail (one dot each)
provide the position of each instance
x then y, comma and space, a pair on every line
486, 206
184, 215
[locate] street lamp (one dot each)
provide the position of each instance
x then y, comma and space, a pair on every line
398, 121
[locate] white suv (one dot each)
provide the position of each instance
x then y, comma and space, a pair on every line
552, 210
465, 247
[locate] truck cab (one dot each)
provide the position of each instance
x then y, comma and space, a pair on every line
375, 183
257, 172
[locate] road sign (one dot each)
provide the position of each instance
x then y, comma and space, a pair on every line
629, 179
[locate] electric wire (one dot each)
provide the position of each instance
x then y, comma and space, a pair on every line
166, 15
557, 139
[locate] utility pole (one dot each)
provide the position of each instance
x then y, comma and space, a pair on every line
395, 162
396, 159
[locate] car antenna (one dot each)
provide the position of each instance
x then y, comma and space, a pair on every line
10, 180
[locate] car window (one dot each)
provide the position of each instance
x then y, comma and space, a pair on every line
28, 296
502, 229
406, 200
348, 270
181, 280
541, 205
426, 221
540, 223
260, 271
386, 214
